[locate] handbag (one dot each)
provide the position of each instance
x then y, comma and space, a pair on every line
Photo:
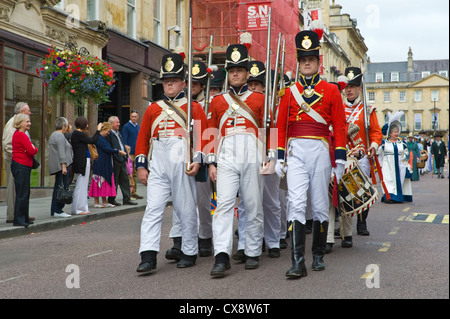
36, 164
93, 151
63, 195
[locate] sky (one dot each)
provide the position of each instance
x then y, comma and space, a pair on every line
390, 27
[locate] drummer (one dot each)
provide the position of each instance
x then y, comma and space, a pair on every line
357, 144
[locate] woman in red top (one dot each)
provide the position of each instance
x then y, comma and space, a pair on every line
22, 162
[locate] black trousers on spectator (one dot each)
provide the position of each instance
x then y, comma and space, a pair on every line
22, 177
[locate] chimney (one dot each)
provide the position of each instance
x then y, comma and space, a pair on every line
410, 63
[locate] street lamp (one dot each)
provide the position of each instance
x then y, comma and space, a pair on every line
177, 30
434, 117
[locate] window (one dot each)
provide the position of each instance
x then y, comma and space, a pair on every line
443, 73
403, 119
435, 121
434, 95
14, 58
379, 77
425, 74
131, 18
402, 96
394, 76
371, 96
157, 21
386, 96
417, 121
417, 96
93, 10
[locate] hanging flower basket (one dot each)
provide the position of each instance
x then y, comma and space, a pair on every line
77, 77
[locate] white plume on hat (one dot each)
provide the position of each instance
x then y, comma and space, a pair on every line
394, 120
317, 26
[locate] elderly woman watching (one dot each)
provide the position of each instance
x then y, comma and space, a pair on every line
60, 157
22, 161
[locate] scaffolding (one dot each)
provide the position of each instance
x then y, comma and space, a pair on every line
226, 20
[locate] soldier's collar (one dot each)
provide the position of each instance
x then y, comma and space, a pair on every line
200, 97
241, 91
179, 96
314, 80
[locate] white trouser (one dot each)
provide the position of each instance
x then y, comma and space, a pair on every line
238, 168
167, 177
272, 213
284, 210
203, 210
308, 173
80, 194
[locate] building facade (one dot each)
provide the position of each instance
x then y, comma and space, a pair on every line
130, 35
418, 88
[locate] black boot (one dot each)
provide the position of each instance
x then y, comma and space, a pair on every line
205, 247
186, 261
361, 225
347, 242
221, 264
297, 236
308, 225
148, 262
320, 232
175, 252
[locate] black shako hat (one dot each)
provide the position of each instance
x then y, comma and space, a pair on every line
236, 55
199, 72
172, 66
307, 43
217, 78
354, 76
257, 72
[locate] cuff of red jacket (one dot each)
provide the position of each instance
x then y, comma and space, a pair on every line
141, 161
211, 158
281, 153
340, 153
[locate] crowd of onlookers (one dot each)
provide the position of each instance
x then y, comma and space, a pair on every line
99, 164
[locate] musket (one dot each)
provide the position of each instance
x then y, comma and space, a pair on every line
266, 118
225, 83
367, 128
208, 83
275, 77
189, 101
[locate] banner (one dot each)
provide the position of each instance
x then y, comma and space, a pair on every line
310, 15
257, 15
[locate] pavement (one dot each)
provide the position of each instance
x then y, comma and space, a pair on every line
40, 210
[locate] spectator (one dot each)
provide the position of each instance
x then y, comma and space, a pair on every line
22, 161
8, 132
129, 133
102, 184
439, 154
60, 158
81, 165
119, 163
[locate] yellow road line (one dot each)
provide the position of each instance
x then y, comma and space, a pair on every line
406, 209
401, 218
445, 219
385, 247
394, 230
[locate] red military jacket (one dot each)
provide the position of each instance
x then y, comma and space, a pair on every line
169, 127
355, 114
327, 102
233, 125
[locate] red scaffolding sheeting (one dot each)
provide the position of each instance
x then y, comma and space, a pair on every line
226, 20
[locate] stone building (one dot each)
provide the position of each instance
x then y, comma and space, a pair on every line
419, 88
130, 35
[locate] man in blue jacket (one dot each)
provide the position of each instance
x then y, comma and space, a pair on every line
129, 133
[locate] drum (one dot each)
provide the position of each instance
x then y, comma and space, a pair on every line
356, 192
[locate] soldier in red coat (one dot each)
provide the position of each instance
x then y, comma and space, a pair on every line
234, 119
307, 150
161, 165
